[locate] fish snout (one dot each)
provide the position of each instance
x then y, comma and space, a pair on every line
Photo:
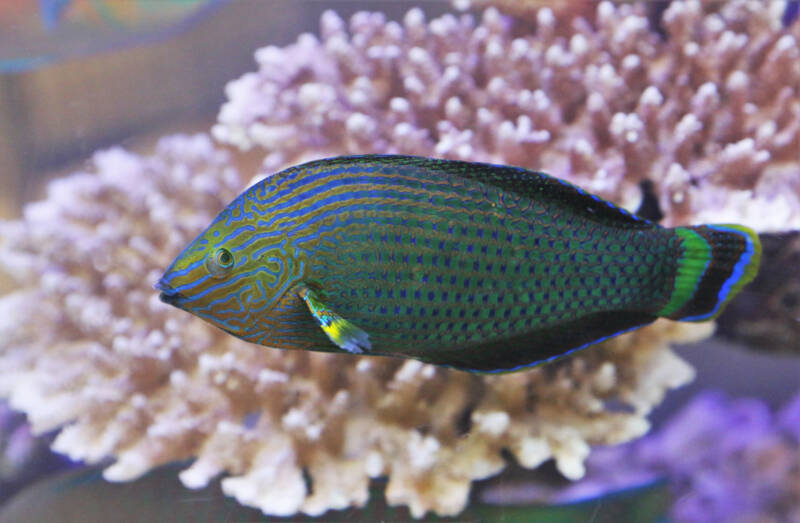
168, 293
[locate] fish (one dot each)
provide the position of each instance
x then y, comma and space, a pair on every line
474, 266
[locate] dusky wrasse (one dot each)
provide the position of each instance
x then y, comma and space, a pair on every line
480, 267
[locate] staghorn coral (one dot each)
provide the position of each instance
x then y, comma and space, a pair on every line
86, 344
560, 11
711, 115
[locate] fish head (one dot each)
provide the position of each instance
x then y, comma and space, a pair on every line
216, 277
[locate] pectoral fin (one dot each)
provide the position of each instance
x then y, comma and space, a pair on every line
340, 331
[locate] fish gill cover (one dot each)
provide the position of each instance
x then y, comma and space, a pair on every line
711, 115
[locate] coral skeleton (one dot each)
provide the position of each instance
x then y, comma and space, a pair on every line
711, 116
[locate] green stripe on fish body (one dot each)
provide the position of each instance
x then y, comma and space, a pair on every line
476, 266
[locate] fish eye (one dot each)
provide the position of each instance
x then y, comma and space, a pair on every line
220, 262
224, 258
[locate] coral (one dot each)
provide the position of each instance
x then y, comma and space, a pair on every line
729, 459
558, 11
85, 343
23, 457
726, 459
17, 446
711, 114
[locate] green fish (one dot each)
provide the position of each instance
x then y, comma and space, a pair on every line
485, 268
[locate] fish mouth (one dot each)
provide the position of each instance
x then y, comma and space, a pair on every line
168, 293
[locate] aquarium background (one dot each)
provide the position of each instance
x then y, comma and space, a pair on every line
81, 76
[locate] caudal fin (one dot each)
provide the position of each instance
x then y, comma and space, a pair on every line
716, 262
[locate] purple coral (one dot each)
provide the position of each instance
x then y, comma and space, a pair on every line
24, 457
727, 459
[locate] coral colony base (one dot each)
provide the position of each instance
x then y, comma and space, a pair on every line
711, 115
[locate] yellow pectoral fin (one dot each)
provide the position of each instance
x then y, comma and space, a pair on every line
339, 330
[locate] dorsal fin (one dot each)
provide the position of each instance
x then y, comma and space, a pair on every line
648, 207
531, 184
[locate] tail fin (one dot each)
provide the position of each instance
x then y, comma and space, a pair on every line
716, 262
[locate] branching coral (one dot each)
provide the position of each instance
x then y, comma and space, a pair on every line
711, 114
85, 343
560, 11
